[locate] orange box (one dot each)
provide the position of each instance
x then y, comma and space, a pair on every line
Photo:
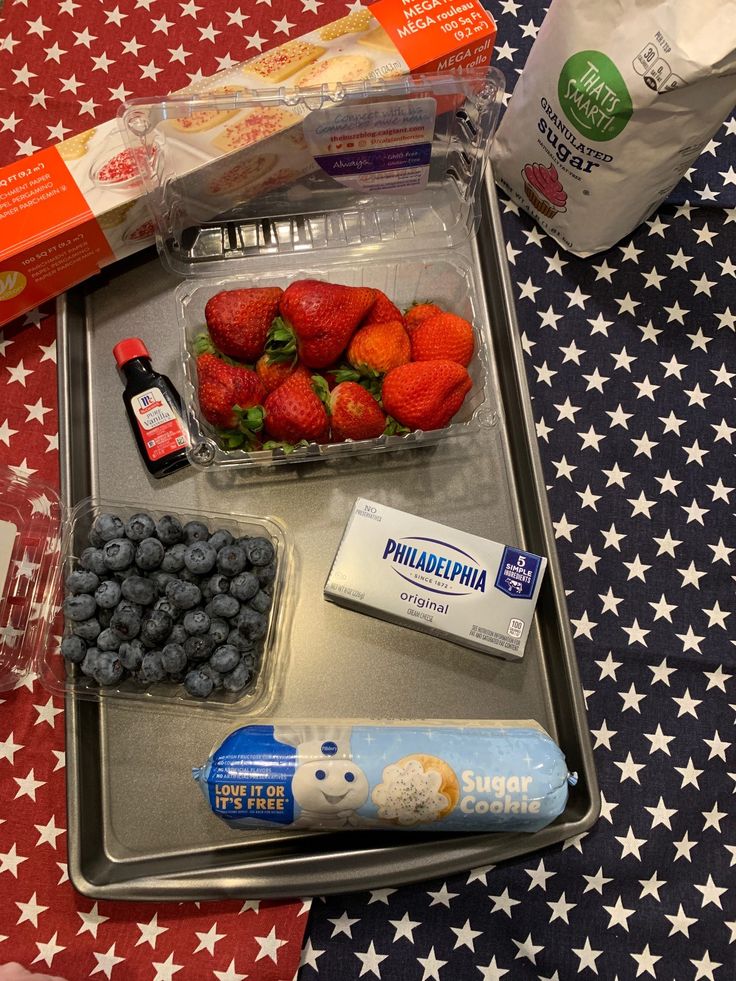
75, 207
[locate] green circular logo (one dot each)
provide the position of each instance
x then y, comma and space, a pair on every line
593, 95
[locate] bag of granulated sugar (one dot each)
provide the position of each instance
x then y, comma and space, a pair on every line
614, 104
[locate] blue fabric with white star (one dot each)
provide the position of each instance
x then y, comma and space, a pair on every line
631, 359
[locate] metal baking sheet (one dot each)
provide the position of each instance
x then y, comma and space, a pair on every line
138, 827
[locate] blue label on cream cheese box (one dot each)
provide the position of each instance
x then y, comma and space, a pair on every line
425, 575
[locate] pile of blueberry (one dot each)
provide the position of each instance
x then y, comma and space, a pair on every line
160, 601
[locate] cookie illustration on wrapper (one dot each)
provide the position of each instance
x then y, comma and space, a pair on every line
358, 20
115, 216
378, 38
76, 146
243, 175
330, 71
417, 789
286, 60
543, 188
254, 126
202, 120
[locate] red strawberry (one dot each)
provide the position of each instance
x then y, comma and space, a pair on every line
444, 336
226, 391
419, 312
382, 311
425, 394
355, 413
273, 372
377, 348
294, 411
323, 317
239, 320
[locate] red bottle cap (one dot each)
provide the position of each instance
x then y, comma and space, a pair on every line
127, 350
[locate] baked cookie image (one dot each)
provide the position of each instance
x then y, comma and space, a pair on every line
378, 38
286, 60
75, 147
243, 175
255, 125
202, 120
116, 216
417, 789
330, 71
358, 20
543, 188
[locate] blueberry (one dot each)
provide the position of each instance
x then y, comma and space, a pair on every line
109, 640
108, 668
73, 649
169, 530
184, 595
128, 607
89, 664
178, 634
107, 594
186, 575
243, 644
82, 581
221, 538
198, 683
149, 554
119, 554
250, 659
198, 648
215, 585
167, 606
80, 607
225, 658
224, 606
266, 574
244, 586
237, 679
88, 630
218, 631
108, 527
94, 560
195, 531
152, 668
122, 574
196, 622
200, 557
173, 560
261, 602
173, 658
260, 551
139, 590
156, 627
94, 539
251, 624
211, 673
140, 526
231, 560
131, 654
161, 580
126, 622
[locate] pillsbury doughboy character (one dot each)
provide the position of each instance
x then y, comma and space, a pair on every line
327, 786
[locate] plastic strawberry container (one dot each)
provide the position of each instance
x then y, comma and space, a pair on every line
370, 183
59, 676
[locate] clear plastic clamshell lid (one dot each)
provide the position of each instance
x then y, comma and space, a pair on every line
30, 529
391, 163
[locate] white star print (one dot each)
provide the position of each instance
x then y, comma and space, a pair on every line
527, 948
48, 833
207, 941
705, 967
630, 844
491, 971
167, 969
619, 915
503, 902
587, 956
150, 932
91, 921
370, 960
689, 775
308, 959
269, 945
431, 965
48, 951
661, 814
28, 785
710, 892
30, 911
560, 909
645, 962
404, 927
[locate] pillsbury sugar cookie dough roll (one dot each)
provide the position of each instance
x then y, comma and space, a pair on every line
424, 776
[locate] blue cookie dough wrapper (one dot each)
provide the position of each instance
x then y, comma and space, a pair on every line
422, 777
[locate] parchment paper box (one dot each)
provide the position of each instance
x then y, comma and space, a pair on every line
427, 576
75, 207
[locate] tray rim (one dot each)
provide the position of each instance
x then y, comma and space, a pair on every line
376, 867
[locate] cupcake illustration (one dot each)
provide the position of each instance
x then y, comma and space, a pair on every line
544, 190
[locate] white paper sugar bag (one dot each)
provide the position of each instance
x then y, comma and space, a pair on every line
615, 102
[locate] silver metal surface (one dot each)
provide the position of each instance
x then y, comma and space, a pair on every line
138, 826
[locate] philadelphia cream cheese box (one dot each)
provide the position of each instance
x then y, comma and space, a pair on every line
421, 574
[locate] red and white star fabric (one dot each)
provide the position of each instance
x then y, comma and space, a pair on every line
64, 66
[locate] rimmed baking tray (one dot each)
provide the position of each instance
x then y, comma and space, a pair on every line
138, 828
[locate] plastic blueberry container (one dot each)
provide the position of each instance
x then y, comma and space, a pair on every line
398, 227
60, 677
